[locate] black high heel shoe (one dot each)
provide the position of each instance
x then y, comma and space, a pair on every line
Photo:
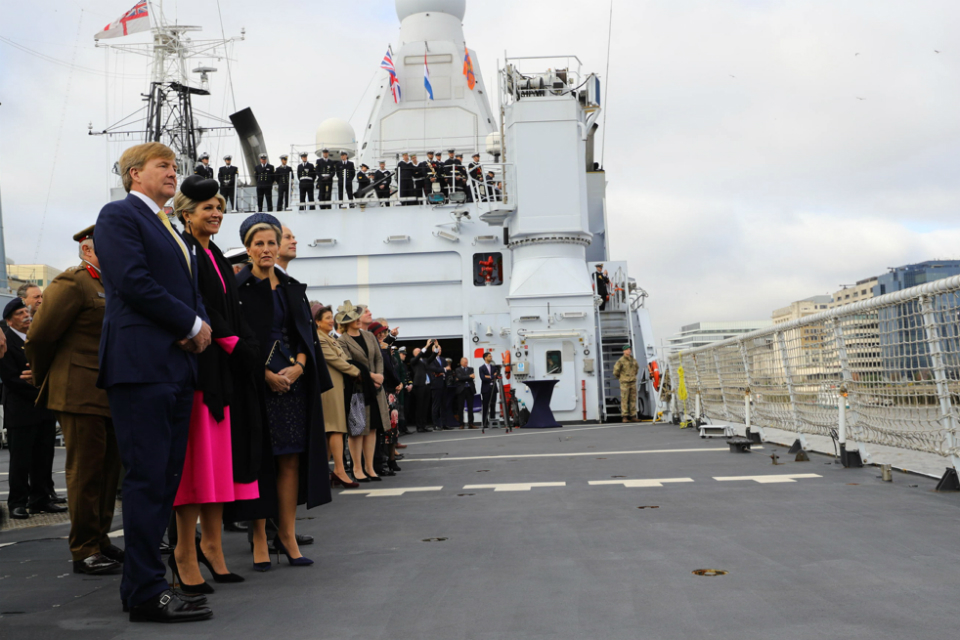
335, 481
296, 562
190, 589
217, 577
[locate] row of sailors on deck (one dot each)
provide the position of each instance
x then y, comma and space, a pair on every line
432, 178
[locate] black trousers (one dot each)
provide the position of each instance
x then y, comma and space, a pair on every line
349, 185
488, 397
407, 190
324, 192
227, 193
306, 193
383, 194
465, 396
436, 407
31, 463
422, 400
264, 193
283, 196
151, 422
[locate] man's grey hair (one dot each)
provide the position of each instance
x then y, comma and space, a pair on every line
24, 288
86, 242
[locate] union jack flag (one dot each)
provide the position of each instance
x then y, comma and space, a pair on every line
387, 64
133, 21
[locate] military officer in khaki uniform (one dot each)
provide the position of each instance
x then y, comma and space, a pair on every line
62, 347
626, 371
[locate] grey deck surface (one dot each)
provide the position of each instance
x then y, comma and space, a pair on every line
840, 556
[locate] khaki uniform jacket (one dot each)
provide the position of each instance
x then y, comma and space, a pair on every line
373, 362
334, 404
626, 369
63, 344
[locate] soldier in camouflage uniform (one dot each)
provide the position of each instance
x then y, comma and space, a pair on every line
626, 371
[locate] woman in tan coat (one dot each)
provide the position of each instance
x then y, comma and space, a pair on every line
361, 347
334, 407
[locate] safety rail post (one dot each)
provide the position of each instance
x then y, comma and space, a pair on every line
943, 389
788, 377
747, 395
723, 396
847, 458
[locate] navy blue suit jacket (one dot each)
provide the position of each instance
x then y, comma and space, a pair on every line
152, 298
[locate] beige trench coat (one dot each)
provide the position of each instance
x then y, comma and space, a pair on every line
374, 363
334, 407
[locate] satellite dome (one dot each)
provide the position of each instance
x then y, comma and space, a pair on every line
456, 8
336, 135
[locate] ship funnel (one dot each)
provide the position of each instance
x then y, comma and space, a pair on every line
336, 135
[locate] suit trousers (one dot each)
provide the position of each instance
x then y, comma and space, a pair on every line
31, 463
151, 422
436, 407
227, 193
93, 470
264, 193
349, 185
283, 196
465, 396
306, 194
324, 192
488, 398
423, 402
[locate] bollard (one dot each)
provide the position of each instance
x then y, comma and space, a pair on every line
886, 473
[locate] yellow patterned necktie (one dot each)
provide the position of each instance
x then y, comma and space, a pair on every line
183, 247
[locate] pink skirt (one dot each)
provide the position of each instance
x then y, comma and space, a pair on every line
208, 468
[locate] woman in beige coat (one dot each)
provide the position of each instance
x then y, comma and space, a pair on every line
362, 347
334, 407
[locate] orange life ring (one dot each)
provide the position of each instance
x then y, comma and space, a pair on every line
506, 364
655, 374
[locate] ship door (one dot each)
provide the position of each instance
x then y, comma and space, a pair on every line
555, 360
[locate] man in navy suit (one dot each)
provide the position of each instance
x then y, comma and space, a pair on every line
154, 326
488, 389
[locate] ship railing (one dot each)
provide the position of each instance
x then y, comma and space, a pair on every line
883, 371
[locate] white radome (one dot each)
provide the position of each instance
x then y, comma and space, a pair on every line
406, 8
336, 135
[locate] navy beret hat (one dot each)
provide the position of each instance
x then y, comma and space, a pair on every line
257, 218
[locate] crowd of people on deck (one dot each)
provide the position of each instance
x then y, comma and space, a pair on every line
212, 385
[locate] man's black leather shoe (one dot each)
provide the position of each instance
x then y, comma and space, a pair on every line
96, 565
237, 527
169, 607
197, 598
55, 499
113, 552
303, 539
19, 513
47, 508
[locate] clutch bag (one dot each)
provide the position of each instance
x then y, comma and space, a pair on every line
279, 358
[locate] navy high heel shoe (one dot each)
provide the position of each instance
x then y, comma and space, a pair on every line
296, 562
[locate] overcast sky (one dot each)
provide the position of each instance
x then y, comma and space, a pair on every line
757, 152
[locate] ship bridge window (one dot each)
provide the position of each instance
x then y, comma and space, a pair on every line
554, 362
487, 269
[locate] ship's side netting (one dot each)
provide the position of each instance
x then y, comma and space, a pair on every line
893, 360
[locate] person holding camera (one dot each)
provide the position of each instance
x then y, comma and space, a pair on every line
488, 388
466, 389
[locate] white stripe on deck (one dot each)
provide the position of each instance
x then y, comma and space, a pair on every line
380, 493
481, 437
771, 479
515, 486
568, 455
652, 482
115, 534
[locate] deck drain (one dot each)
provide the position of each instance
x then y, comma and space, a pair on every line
460, 495
618, 476
650, 506
482, 470
853, 484
601, 458
433, 540
709, 572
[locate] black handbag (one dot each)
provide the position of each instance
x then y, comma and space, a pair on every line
279, 358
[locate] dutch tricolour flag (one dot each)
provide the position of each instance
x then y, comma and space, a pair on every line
426, 76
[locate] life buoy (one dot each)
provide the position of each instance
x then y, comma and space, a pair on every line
506, 364
655, 374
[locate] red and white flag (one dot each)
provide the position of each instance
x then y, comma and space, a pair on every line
133, 21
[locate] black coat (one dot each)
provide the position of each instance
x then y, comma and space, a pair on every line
435, 369
418, 368
19, 395
256, 303
464, 381
236, 379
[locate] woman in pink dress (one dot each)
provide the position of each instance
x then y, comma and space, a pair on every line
223, 449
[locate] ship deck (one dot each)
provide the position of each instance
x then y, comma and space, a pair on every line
837, 553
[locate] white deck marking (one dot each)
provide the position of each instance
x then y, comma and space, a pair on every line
771, 479
515, 486
115, 534
380, 493
653, 482
572, 454
6, 544
482, 437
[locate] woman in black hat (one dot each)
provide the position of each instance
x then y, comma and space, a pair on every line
291, 363
223, 452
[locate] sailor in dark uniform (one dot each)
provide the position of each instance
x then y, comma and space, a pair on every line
227, 176
450, 178
602, 282
282, 178
405, 176
203, 167
419, 176
306, 174
363, 181
325, 169
345, 174
475, 172
428, 171
263, 176
382, 179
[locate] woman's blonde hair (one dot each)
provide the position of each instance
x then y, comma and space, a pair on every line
260, 226
185, 204
137, 156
